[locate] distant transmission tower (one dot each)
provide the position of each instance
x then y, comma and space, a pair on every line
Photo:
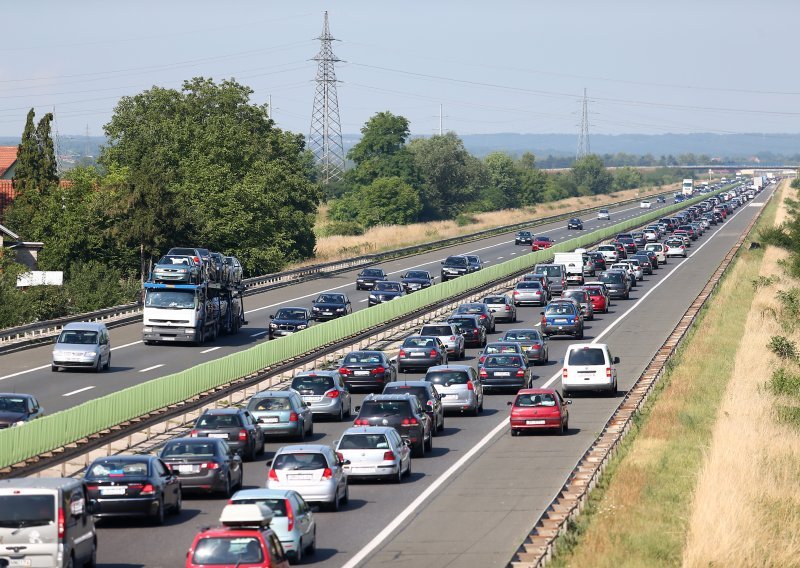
583, 137
325, 138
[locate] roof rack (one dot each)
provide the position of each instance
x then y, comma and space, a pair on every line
246, 516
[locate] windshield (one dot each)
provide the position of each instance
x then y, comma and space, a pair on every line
528, 400
188, 449
388, 286
455, 261
317, 385
362, 357
447, 378
211, 421
118, 468
78, 337
524, 233
464, 323
560, 309
300, 461
17, 511
383, 408
13, 404
420, 392
438, 330
594, 291
610, 278
291, 314
372, 272
278, 506
419, 342
587, 356
494, 300
185, 260
653, 247
501, 348
274, 404
470, 309
330, 299
364, 442
503, 361
170, 299
522, 335
417, 274
529, 286
553, 271
221, 551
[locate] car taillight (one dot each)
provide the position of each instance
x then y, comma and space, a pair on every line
452, 338
429, 403
293, 417
242, 435
433, 353
345, 371
410, 421
209, 465
60, 523
401, 354
273, 475
378, 370
193, 433
483, 373
516, 292
289, 513
520, 372
483, 316
327, 473
230, 501
361, 422
608, 372
475, 331
196, 259
332, 393
508, 308
564, 373
482, 359
470, 386
148, 489
544, 320
389, 456
535, 346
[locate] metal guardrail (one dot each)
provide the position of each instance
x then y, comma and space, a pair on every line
20, 337
133, 403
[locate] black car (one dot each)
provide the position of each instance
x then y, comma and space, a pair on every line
455, 266
523, 238
330, 306
367, 278
204, 464
404, 413
133, 486
599, 260
218, 260
367, 369
505, 371
385, 291
16, 409
287, 321
575, 223
485, 315
644, 263
471, 328
651, 256
628, 244
661, 199
425, 392
617, 284
234, 425
416, 280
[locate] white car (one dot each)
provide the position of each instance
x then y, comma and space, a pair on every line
588, 366
604, 215
609, 252
660, 251
645, 205
650, 235
374, 452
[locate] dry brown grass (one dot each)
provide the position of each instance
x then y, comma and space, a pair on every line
391, 237
746, 509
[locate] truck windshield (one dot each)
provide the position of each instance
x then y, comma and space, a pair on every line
170, 299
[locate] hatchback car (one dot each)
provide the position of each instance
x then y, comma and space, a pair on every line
600, 302
589, 367
404, 413
281, 413
367, 370
17, 409
174, 269
617, 282
604, 215
324, 393
313, 470
367, 278
502, 307
585, 303
556, 276
84, 345
533, 343
330, 306
204, 464
428, 397
659, 250
375, 452
421, 352
562, 318
530, 293
523, 238
475, 262
292, 519
287, 321
471, 329
505, 371
449, 334
542, 242
459, 386
537, 409
131, 486
609, 252
644, 263
575, 223
485, 315
384, 292
234, 425
414, 280
455, 266
674, 247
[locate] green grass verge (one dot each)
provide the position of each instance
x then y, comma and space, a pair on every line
638, 514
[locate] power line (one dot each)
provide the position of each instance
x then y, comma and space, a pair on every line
583, 136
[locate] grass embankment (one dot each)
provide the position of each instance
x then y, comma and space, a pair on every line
388, 237
640, 513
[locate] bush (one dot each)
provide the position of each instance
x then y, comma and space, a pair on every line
464, 219
784, 383
344, 228
783, 347
92, 286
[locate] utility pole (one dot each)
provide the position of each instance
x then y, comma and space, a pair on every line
57, 140
269, 107
583, 137
325, 137
440, 119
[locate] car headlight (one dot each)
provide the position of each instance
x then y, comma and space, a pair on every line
360, 280
273, 326
88, 353
148, 330
302, 326
189, 330
315, 308
339, 309
373, 297
18, 423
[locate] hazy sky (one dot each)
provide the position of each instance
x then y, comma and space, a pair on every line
495, 66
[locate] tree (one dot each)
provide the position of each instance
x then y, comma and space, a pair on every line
28, 157
504, 180
627, 178
386, 201
590, 176
381, 152
532, 180
443, 167
48, 167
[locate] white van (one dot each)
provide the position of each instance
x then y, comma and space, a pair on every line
588, 366
46, 522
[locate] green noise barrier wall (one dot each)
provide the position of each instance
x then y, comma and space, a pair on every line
62, 428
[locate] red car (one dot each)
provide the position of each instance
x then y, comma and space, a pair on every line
598, 298
244, 540
542, 242
534, 409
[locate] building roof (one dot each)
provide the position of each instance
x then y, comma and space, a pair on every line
8, 155
7, 194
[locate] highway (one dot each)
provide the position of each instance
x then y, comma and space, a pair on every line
472, 501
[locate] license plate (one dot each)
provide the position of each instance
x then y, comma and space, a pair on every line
269, 420
220, 436
188, 469
327, 313
450, 396
502, 374
300, 477
167, 338
19, 562
534, 422
361, 373
361, 470
312, 398
415, 354
112, 490
560, 321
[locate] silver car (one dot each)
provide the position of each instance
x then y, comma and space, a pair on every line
292, 521
324, 392
313, 470
459, 386
530, 293
502, 306
84, 345
375, 452
449, 334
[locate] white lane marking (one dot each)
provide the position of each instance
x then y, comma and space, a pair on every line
211, 349
614, 323
423, 497
77, 391
259, 334
512, 254
151, 368
364, 300
126, 345
12, 375
499, 257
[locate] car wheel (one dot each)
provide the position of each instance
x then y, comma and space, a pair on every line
108, 362
92, 561
311, 549
297, 557
341, 413
561, 429
335, 505
178, 507
302, 435
70, 562
514, 432
430, 443
54, 368
477, 410
418, 451
441, 424
158, 518
227, 491
99, 365
346, 497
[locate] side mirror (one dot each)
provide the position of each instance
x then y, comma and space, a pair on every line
308, 404
509, 403
346, 462
616, 360
541, 313
271, 316
357, 409
406, 442
268, 463
569, 401
91, 506
442, 263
